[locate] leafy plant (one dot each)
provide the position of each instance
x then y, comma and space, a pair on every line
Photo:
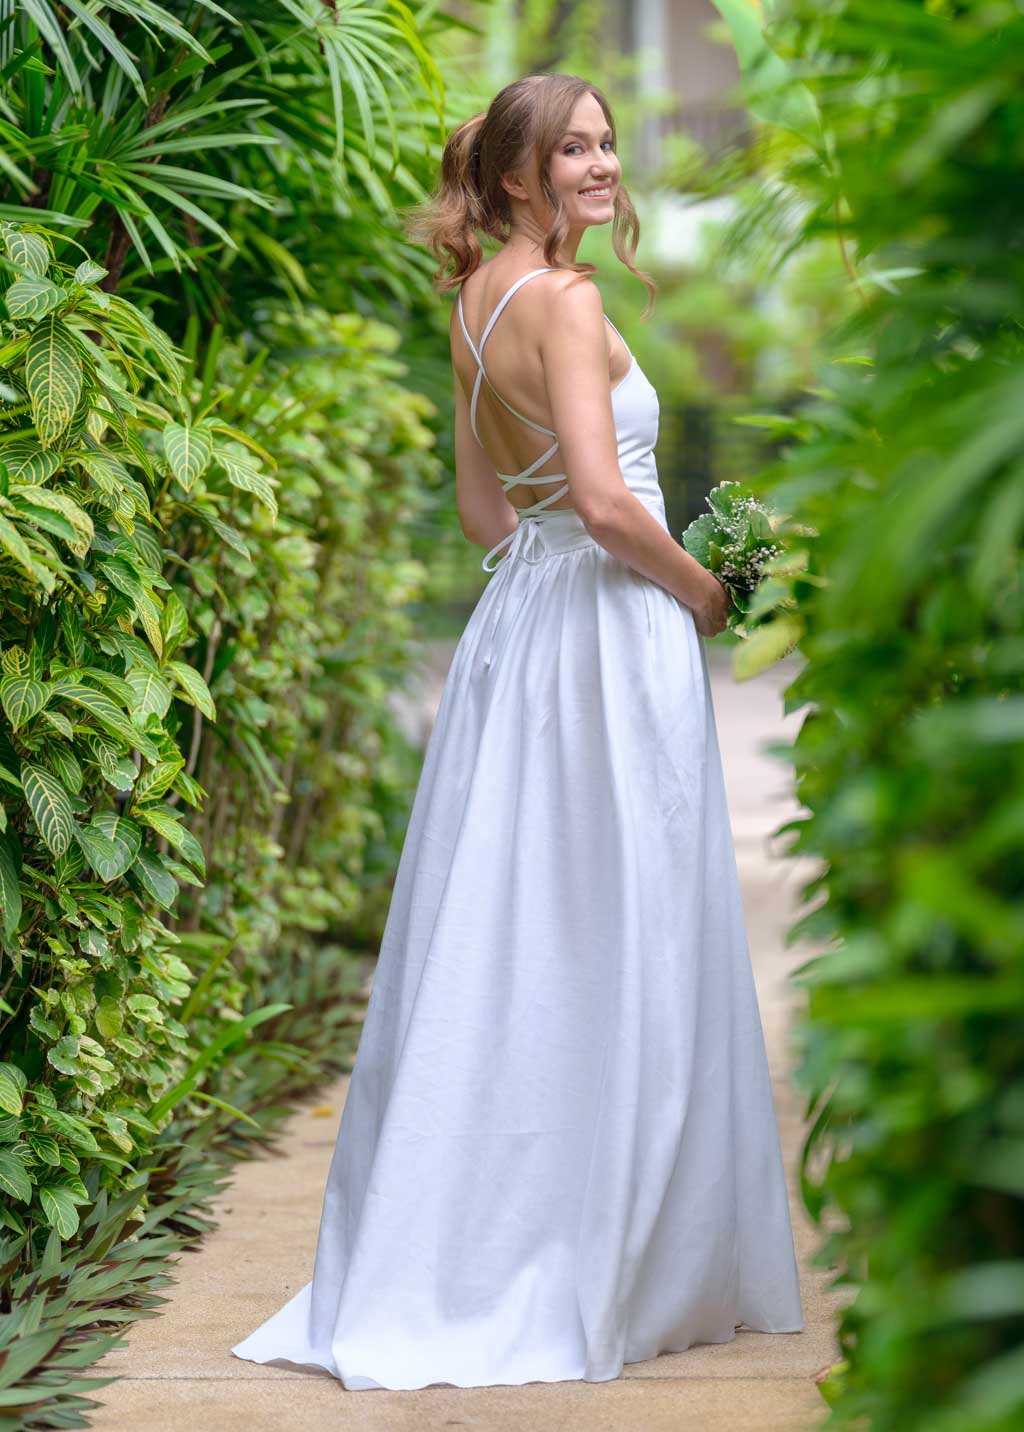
905, 463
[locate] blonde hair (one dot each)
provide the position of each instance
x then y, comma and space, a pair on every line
531, 114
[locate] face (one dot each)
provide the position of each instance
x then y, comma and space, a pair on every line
583, 159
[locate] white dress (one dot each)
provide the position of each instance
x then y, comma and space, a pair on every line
559, 1151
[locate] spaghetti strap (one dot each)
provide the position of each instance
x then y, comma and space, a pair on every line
625, 345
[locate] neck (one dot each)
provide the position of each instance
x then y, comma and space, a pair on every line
527, 238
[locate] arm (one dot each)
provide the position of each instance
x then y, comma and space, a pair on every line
575, 356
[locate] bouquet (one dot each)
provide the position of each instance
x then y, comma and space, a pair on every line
737, 541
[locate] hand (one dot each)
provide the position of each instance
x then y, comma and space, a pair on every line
711, 616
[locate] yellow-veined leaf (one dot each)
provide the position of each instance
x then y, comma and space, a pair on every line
33, 298
188, 450
194, 688
50, 807
53, 376
30, 252
22, 698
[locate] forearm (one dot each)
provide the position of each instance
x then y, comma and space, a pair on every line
628, 530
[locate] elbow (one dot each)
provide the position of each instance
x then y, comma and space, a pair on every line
603, 517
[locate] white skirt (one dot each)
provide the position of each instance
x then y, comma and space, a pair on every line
559, 1151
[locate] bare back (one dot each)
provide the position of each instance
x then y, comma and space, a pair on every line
514, 370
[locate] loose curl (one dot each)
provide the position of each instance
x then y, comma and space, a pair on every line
531, 114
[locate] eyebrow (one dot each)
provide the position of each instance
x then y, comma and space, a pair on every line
578, 133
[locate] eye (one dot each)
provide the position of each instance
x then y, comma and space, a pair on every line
574, 145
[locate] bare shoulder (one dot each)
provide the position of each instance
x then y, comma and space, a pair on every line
573, 319
572, 293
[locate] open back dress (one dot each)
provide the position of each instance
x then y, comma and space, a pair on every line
559, 1150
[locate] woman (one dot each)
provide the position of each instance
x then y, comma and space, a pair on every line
558, 1151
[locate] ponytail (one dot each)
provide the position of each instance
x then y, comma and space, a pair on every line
448, 223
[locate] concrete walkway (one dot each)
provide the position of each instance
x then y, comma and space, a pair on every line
176, 1370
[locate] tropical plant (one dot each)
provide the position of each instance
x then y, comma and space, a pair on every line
92, 691
204, 559
152, 550
906, 463
208, 145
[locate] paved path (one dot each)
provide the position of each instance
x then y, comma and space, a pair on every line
176, 1370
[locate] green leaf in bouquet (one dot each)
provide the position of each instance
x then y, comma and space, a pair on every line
698, 535
716, 556
724, 497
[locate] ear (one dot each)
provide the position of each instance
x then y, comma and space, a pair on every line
512, 184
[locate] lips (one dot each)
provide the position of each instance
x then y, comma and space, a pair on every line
599, 191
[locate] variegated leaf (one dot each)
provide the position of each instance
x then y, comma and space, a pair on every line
10, 889
106, 472
109, 858
79, 519
29, 251
53, 376
50, 807
152, 694
194, 688
88, 272
173, 623
14, 1179
148, 614
188, 451
27, 462
176, 836
33, 298
16, 661
65, 763
22, 698
13, 1083
44, 1146
123, 577
59, 1210
14, 544
156, 781
119, 828
103, 710
60, 723
248, 479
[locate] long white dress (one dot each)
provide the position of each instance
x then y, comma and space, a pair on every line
559, 1151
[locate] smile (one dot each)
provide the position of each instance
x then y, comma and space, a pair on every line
600, 193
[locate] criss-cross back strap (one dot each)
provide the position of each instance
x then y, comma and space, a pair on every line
508, 479
536, 512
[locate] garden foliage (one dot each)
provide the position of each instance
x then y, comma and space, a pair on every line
208, 495
907, 462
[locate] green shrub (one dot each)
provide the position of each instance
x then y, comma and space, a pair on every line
908, 467
93, 692
205, 572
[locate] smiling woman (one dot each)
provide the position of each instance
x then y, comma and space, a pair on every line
559, 1151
